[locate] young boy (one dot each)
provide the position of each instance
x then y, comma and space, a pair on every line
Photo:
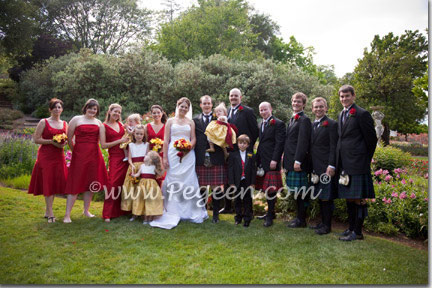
241, 179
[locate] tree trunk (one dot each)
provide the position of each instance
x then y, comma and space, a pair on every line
386, 135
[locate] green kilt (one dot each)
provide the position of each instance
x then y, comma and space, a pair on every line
359, 187
329, 191
297, 180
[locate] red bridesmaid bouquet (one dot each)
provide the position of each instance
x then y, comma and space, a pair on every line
183, 146
60, 138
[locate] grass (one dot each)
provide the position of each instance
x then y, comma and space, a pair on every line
20, 182
424, 158
89, 251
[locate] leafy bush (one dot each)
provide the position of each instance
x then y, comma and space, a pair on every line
20, 182
416, 149
7, 116
389, 158
17, 155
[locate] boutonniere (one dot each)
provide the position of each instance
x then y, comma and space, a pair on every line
249, 155
352, 112
325, 124
240, 108
296, 117
214, 116
272, 122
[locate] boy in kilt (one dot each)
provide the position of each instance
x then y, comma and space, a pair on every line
295, 159
269, 154
210, 167
354, 152
241, 179
323, 153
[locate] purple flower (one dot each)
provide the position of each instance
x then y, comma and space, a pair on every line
403, 181
411, 180
394, 194
398, 170
388, 178
385, 172
393, 186
413, 196
426, 199
384, 199
388, 201
403, 195
373, 200
378, 172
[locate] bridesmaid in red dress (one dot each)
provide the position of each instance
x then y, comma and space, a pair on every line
156, 129
112, 133
87, 171
50, 171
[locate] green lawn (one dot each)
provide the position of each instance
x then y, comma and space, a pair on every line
89, 251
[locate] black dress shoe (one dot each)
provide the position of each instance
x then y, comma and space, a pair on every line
296, 223
246, 223
268, 222
345, 233
215, 219
351, 237
323, 230
237, 222
318, 226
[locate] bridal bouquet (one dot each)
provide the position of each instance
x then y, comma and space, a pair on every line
156, 144
60, 138
183, 146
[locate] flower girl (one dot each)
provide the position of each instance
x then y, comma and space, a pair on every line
137, 151
150, 203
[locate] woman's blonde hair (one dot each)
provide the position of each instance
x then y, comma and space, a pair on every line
156, 160
222, 106
110, 108
140, 127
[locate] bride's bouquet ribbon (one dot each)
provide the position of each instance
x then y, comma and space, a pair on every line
228, 137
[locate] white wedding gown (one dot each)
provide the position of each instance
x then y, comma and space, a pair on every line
182, 199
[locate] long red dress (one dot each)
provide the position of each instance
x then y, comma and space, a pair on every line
152, 134
49, 172
87, 171
117, 169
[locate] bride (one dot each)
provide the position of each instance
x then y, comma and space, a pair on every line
182, 198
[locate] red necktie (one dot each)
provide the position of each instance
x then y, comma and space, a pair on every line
243, 168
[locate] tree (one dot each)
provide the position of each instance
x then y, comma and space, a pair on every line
212, 27
385, 77
266, 31
104, 26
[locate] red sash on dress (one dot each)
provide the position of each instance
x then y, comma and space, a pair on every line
228, 137
148, 176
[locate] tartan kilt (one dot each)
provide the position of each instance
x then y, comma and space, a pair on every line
297, 180
213, 176
359, 187
271, 178
329, 191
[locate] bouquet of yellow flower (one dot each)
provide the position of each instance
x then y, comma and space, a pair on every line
134, 180
156, 144
60, 138
183, 146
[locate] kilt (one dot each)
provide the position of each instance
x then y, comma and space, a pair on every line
328, 191
297, 180
213, 176
359, 187
271, 178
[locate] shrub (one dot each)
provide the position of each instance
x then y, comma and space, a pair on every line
389, 158
20, 182
7, 116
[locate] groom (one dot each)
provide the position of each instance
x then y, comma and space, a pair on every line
210, 167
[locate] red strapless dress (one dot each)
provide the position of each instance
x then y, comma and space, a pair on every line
87, 171
152, 134
116, 174
49, 172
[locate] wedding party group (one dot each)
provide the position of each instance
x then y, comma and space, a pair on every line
158, 172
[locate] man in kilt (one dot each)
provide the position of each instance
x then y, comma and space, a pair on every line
323, 153
243, 117
269, 153
210, 167
295, 159
354, 152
